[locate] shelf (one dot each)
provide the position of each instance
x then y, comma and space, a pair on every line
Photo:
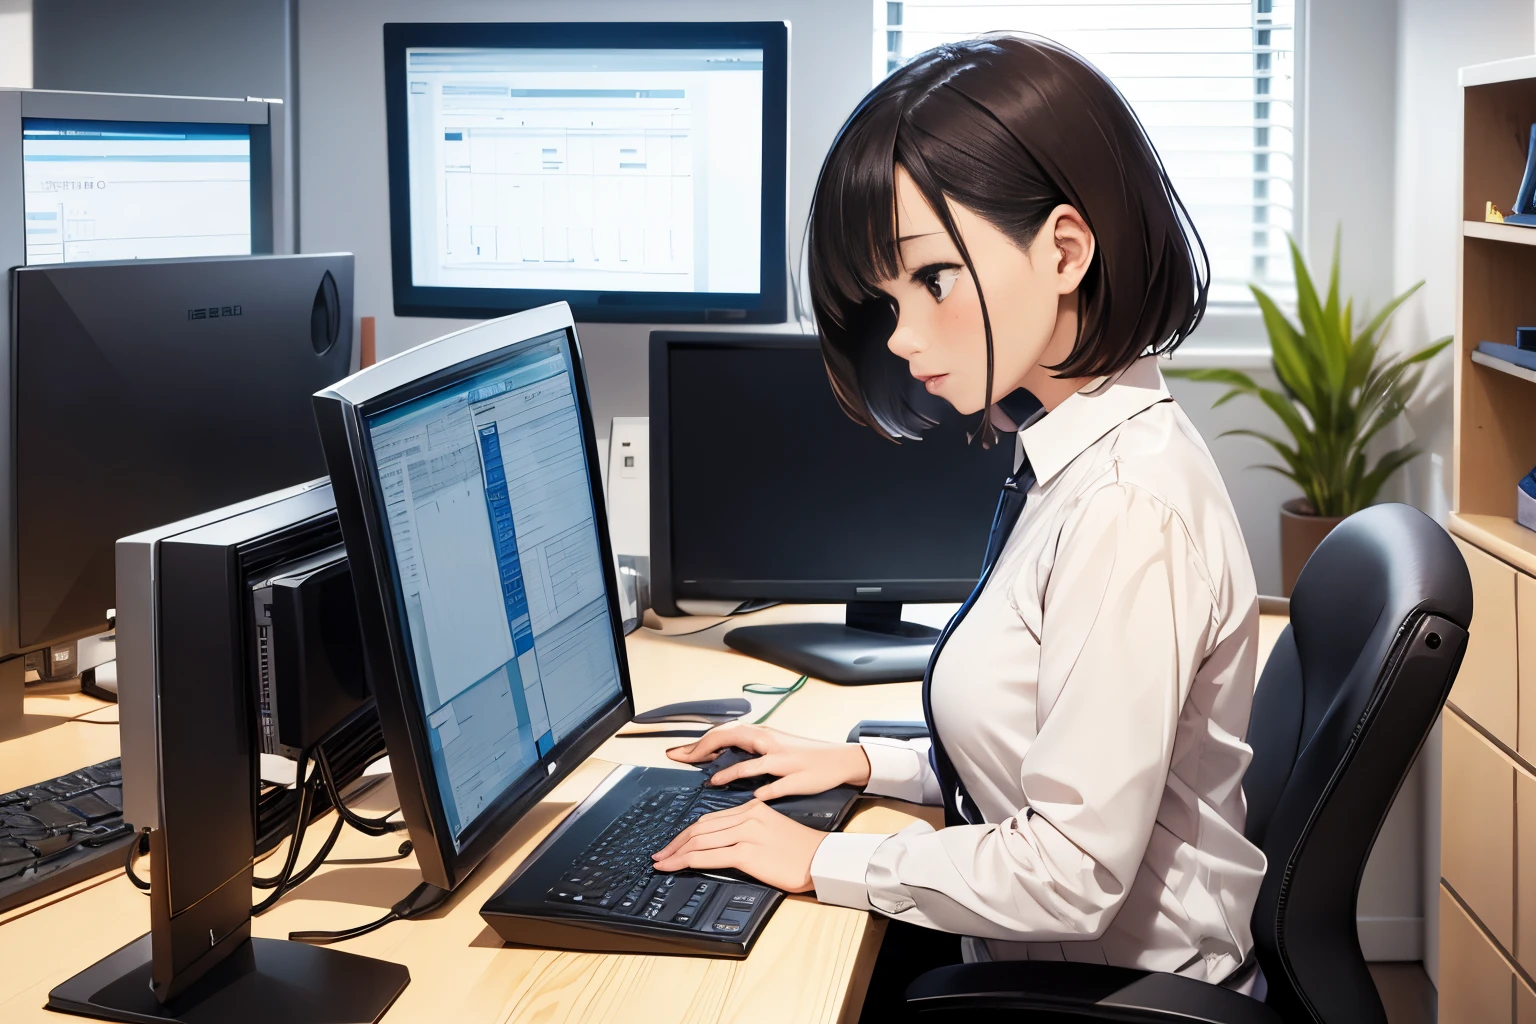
1512, 70
1499, 232
1500, 536
1503, 366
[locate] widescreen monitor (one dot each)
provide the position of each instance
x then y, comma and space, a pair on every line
635, 171
762, 489
120, 190
466, 479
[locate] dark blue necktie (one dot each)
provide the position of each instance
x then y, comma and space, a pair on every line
959, 809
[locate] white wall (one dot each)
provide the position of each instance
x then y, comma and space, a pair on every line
343, 182
15, 44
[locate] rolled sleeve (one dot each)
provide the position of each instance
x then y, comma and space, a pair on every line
899, 769
839, 868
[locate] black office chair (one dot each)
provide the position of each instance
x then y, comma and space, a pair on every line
1378, 626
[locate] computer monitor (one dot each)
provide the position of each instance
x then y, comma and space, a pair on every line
635, 171
147, 391
62, 196
122, 190
190, 731
762, 489
465, 476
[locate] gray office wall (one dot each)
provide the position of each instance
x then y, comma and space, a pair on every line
170, 47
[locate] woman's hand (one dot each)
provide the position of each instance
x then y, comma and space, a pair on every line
804, 766
753, 838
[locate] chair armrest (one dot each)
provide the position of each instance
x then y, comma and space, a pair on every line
1091, 991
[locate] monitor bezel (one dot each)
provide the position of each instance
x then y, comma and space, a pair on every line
766, 306
666, 590
412, 375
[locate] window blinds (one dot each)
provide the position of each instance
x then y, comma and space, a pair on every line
1213, 81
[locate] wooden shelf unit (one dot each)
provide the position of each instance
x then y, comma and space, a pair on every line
1488, 785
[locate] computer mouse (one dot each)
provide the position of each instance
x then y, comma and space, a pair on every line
712, 712
724, 758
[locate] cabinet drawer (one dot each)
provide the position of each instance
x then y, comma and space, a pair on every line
1476, 986
1477, 826
1486, 687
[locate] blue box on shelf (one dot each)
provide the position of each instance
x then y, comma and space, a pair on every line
1525, 338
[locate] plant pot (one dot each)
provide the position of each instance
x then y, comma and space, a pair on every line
1301, 531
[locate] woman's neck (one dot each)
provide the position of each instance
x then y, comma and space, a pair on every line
1040, 381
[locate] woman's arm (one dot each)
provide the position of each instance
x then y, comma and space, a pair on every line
1128, 620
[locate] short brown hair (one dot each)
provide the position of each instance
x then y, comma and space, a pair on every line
1010, 127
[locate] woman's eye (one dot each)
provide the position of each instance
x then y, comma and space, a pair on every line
940, 282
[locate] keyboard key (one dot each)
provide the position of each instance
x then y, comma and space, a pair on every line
92, 807
743, 901
55, 815
15, 854
726, 926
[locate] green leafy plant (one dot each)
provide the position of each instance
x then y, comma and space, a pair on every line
1339, 392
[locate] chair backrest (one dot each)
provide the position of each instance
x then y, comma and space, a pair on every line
1379, 621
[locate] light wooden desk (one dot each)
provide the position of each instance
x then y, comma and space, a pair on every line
811, 963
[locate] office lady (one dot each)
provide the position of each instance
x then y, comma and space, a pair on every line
992, 218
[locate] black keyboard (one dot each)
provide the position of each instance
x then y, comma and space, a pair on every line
614, 872
62, 831
591, 884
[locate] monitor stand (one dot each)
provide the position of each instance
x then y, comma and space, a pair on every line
872, 645
265, 981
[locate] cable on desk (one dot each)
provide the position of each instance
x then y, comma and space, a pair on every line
402, 853
425, 897
368, 826
136, 849
764, 689
280, 883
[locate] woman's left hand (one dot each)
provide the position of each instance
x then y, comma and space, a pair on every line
753, 838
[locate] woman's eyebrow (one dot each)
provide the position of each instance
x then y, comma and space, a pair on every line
924, 234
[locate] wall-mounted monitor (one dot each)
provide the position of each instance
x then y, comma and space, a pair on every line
636, 171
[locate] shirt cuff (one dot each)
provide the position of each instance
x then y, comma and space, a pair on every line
897, 768
839, 867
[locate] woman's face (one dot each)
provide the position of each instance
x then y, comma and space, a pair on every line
1031, 301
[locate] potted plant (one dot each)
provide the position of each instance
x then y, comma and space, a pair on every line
1339, 392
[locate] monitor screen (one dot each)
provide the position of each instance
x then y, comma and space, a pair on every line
118, 190
774, 493
644, 174
497, 565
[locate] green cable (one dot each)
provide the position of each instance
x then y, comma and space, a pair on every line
766, 690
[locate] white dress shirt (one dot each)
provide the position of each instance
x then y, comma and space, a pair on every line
1094, 702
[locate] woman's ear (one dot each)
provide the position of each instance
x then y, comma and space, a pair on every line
1071, 247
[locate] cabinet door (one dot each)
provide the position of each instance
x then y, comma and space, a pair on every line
1476, 986
1477, 826
1486, 688
1525, 870
1525, 1003
1525, 632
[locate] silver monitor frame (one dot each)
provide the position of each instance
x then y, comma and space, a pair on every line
278, 224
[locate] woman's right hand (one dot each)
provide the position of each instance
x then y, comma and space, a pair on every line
803, 767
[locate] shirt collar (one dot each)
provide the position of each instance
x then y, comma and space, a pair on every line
1054, 439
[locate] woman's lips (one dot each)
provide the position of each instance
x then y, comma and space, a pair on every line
932, 381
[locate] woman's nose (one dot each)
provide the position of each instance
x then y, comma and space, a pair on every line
903, 341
